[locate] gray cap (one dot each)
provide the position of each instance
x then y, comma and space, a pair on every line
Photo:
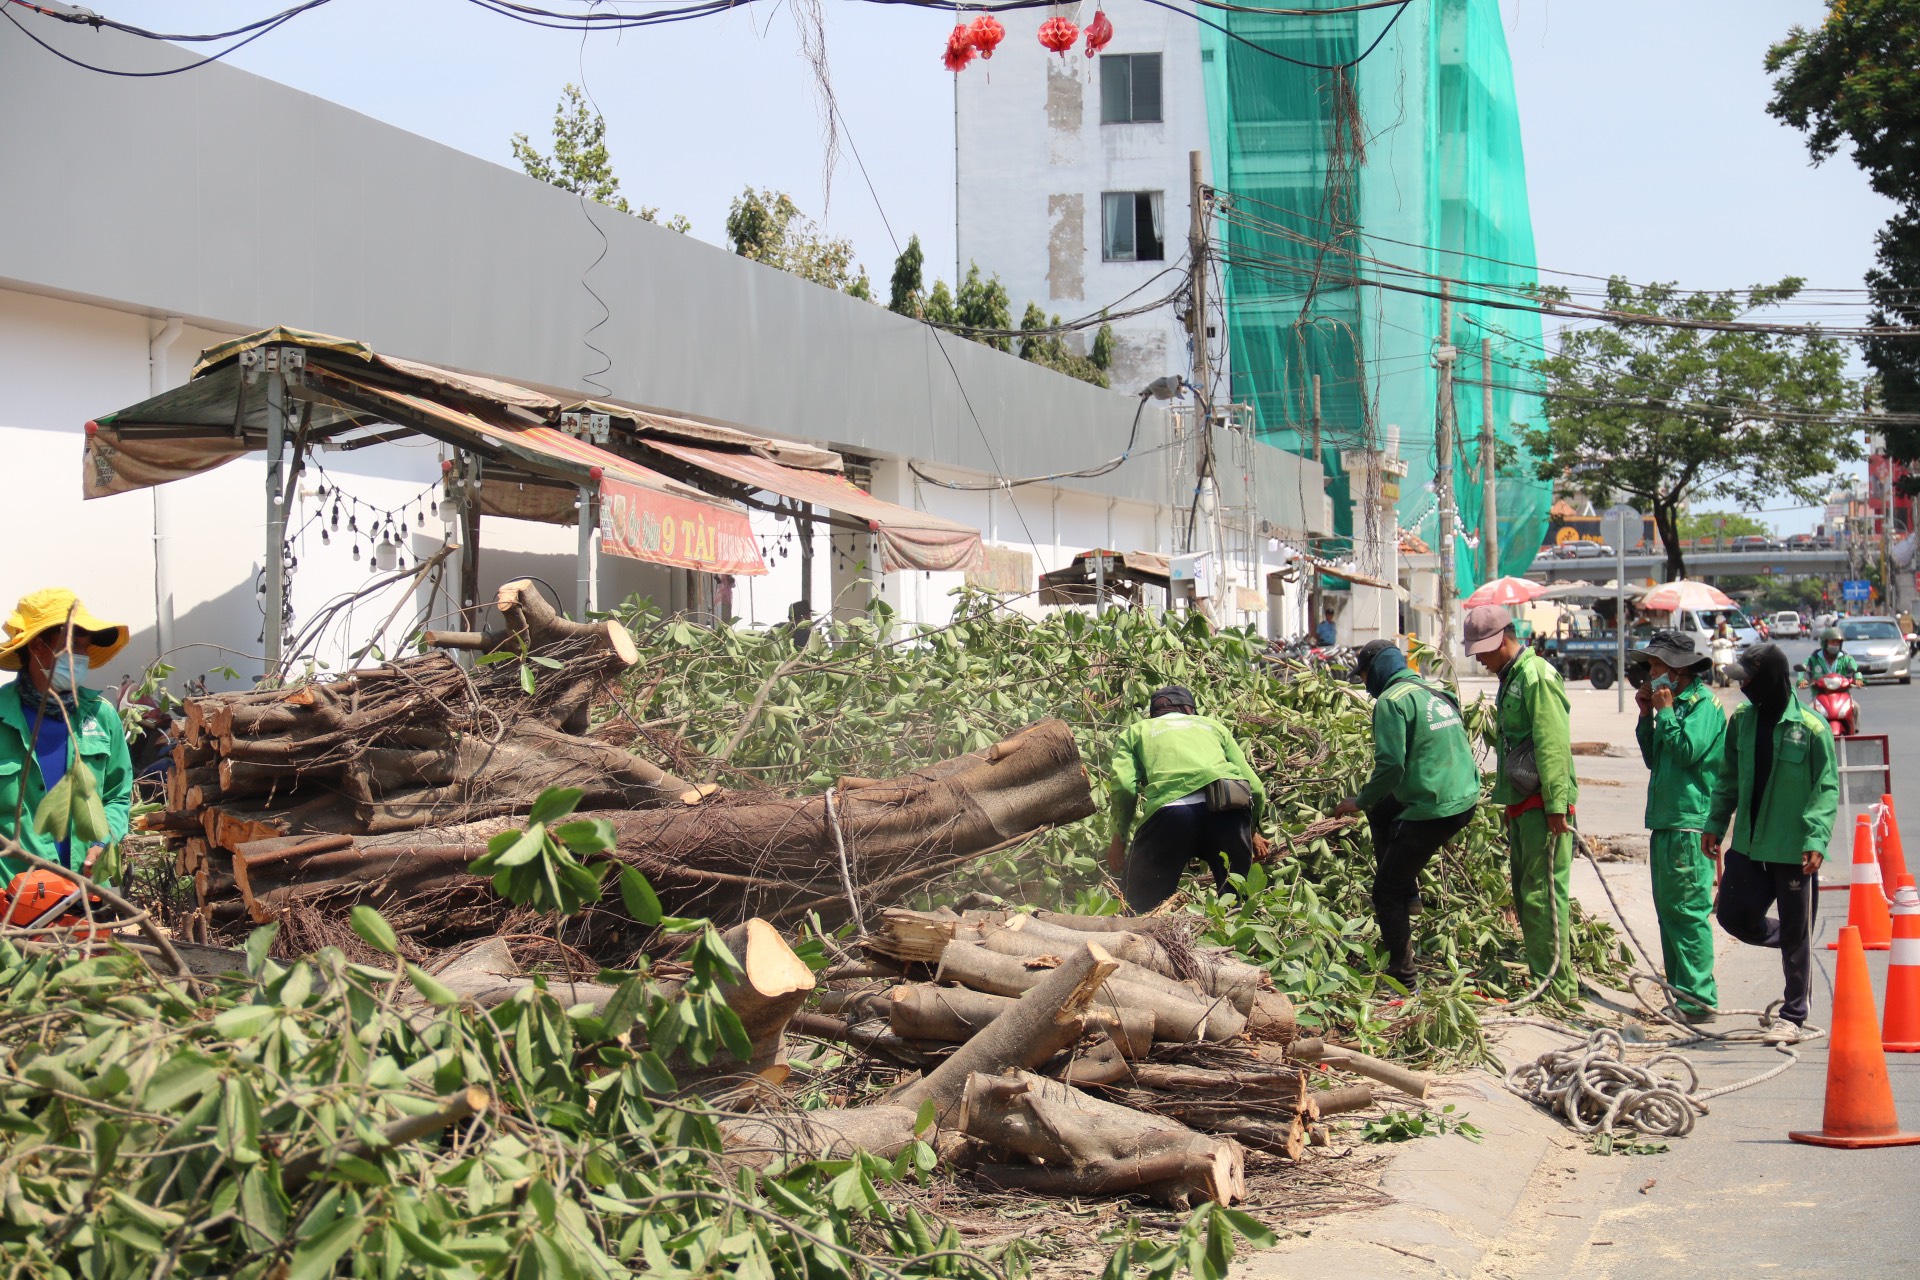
1486, 626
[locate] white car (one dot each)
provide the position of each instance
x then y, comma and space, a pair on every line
1784, 626
1878, 647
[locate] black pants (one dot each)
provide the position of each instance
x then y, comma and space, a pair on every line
1172, 838
1747, 888
1401, 850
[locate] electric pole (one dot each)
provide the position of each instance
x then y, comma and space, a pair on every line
1443, 471
1315, 601
1489, 480
1206, 495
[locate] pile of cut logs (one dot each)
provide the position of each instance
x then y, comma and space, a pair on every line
381, 786
1061, 1054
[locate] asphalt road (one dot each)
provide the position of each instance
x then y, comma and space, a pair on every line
1737, 1198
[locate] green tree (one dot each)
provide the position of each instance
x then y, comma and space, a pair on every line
580, 162
905, 298
1667, 415
1719, 524
982, 303
1855, 79
940, 307
1050, 348
768, 227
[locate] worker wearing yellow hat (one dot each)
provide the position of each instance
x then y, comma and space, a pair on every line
49, 724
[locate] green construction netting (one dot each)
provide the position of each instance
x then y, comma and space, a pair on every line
1346, 194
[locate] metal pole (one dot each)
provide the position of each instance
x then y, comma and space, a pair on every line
1443, 472
1316, 601
803, 523
276, 585
583, 556
1489, 479
1100, 582
1620, 620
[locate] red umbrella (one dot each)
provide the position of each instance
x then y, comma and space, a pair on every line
1504, 591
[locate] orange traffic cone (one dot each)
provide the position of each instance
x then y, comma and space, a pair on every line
1886, 834
1859, 1097
1866, 900
1901, 1033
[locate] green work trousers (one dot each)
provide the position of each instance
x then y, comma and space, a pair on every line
1683, 898
1541, 866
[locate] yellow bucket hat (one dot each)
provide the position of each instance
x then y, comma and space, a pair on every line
56, 607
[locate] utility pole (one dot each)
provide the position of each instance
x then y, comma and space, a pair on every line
1315, 600
1206, 498
1443, 472
1489, 480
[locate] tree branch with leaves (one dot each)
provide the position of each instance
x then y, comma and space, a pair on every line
580, 161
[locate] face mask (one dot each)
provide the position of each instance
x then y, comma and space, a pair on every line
61, 678
1662, 682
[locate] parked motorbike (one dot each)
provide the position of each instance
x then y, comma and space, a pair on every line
1723, 650
1833, 698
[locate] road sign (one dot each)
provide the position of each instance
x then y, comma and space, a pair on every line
1620, 527
1856, 589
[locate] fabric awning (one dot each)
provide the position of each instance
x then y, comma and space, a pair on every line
908, 539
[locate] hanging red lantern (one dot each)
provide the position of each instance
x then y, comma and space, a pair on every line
1058, 34
959, 48
986, 33
1099, 32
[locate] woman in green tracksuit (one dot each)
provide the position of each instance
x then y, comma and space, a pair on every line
1682, 734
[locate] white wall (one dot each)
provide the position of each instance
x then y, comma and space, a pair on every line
1030, 137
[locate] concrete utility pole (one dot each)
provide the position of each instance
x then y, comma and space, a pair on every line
1489, 480
1443, 471
1315, 599
1205, 494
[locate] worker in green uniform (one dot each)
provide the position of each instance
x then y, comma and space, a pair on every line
1189, 782
1682, 733
1780, 789
1830, 658
1423, 791
1536, 785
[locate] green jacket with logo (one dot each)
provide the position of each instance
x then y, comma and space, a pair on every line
1532, 706
1421, 756
1682, 745
1817, 665
98, 739
1169, 757
1803, 789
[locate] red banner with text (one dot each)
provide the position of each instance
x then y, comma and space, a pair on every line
645, 524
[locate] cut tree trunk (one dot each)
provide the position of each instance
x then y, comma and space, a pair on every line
956, 1014
1045, 1020
1176, 1017
1093, 1147
831, 1133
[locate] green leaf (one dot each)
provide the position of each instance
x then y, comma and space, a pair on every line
1256, 1232
551, 663
498, 655
316, 1257
431, 989
526, 679
524, 848
555, 803
923, 1121
372, 928
243, 1022
638, 897
53, 816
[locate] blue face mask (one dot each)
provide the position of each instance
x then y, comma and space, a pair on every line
61, 678
1663, 682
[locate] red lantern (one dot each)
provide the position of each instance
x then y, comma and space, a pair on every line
986, 34
1058, 34
1099, 33
959, 48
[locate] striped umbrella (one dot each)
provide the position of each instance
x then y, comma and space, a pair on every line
1504, 591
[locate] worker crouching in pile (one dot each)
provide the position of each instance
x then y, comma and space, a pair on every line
1779, 787
1422, 792
1682, 733
1536, 786
1187, 779
48, 722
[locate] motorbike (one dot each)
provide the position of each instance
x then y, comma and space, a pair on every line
1833, 698
1723, 650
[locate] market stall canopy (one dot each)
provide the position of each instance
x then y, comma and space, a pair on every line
1355, 577
1121, 574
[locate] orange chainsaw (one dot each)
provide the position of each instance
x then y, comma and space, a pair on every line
39, 899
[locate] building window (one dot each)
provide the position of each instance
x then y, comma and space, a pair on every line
1130, 227
1130, 88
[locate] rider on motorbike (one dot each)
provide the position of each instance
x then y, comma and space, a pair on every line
1828, 659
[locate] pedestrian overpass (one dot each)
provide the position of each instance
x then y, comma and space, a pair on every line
1702, 566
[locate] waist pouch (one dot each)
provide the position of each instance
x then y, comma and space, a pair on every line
1226, 795
1521, 767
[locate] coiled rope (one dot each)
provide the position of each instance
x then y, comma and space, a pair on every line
1596, 1090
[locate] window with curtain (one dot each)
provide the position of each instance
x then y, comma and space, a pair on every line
1130, 227
1130, 88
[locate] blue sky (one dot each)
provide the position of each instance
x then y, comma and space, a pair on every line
1649, 150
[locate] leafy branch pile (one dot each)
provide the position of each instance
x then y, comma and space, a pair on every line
745, 708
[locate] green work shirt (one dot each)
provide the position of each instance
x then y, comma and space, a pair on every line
1532, 706
1421, 756
1169, 757
1682, 745
1817, 666
1803, 789
98, 739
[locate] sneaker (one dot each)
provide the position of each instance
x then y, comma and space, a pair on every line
1780, 1031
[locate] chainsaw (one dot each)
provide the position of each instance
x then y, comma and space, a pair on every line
39, 899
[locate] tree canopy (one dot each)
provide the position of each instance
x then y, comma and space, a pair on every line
580, 162
1855, 79
1665, 415
767, 226
1719, 524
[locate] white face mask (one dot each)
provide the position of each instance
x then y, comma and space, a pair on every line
61, 678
